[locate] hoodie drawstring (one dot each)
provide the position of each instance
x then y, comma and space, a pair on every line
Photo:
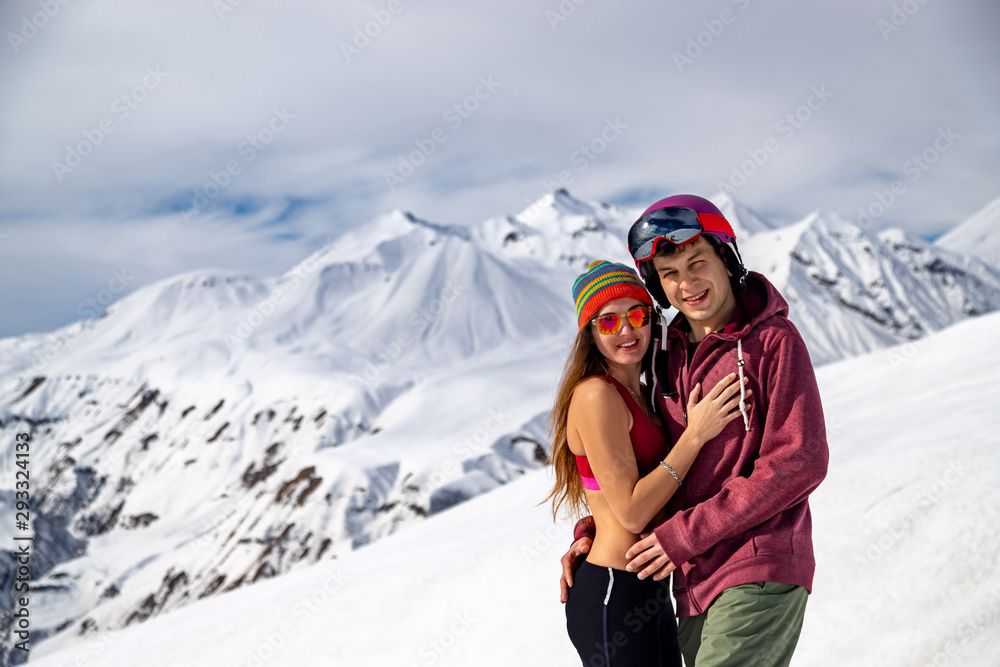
739, 365
663, 346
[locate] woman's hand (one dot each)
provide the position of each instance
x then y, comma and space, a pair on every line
707, 417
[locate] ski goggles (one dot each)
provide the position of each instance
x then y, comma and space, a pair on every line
677, 224
611, 323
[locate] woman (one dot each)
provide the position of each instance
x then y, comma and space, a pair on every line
611, 455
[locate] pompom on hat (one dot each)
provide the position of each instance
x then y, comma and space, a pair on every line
602, 283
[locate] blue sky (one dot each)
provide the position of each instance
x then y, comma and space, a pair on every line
151, 138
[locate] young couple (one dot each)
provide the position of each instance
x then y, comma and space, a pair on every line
704, 471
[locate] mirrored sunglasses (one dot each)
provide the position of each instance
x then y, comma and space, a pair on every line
611, 323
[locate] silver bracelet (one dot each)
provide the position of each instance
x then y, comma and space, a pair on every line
671, 471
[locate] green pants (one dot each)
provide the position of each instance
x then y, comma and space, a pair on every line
753, 625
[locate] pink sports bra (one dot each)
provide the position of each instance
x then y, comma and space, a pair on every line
649, 441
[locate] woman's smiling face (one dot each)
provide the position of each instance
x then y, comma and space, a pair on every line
628, 345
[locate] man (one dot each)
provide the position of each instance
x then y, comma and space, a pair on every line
738, 538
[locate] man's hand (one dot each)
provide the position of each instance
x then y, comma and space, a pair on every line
647, 557
570, 562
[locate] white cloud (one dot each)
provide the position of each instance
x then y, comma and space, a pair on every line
559, 82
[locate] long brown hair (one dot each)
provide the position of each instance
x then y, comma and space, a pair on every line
584, 361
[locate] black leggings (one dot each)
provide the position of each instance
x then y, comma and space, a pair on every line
614, 618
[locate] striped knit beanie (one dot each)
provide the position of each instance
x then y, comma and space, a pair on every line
603, 282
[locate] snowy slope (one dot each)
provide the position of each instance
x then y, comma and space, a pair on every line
217, 429
906, 528
979, 235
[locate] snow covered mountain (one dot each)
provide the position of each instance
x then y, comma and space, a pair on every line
559, 232
744, 220
852, 291
216, 429
906, 529
979, 235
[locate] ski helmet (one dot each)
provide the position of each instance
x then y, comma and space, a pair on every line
681, 219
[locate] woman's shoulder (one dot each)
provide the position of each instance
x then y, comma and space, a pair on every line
597, 406
594, 392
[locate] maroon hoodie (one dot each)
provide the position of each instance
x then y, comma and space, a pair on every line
742, 514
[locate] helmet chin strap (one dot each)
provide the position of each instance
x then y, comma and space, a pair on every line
742, 267
652, 281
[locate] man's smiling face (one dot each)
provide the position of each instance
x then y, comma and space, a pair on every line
696, 282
